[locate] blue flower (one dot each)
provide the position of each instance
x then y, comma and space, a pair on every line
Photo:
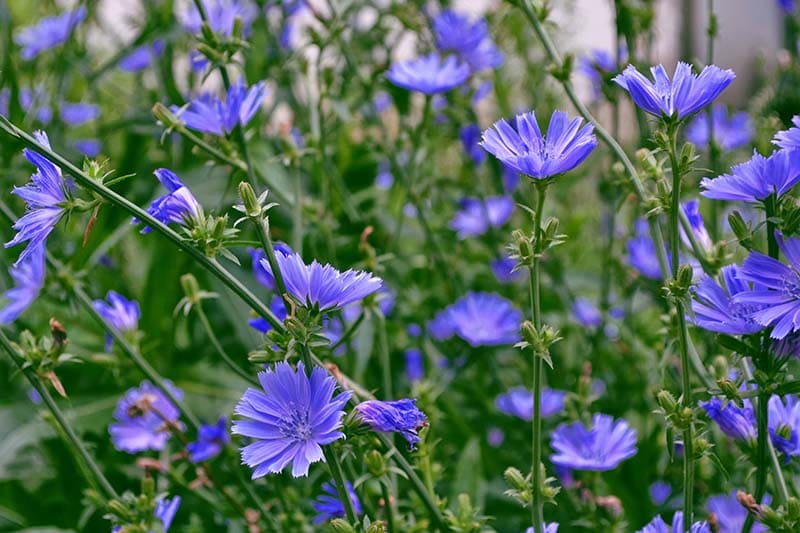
166, 509
221, 16
729, 514
384, 179
209, 114
470, 135
503, 270
382, 101
598, 65
75, 114
141, 57
121, 313
778, 288
789, 139
730, 133
143, 416
739, 423
211, 438
430, 74
329, 506
657, 525
586, 313
28, 277
519, 402
480, 318
552, 527
539, 156
659, 492
601, 447
322, 286
45, 196
715, 309
36, 101
682, 96
88, 147
178, 205
784, 424
756, 179
278, 307
48, 33
401, 416
470, 40
642, 252
264, 275
692, 211
477, 216
290, 420
415, 364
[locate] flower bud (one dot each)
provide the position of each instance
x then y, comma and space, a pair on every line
515, 479
252, 208
376, 464
667, 401
685, 275
191, 288
341, 526
523, 247
165, 116
377, 527
720, 364
740, 229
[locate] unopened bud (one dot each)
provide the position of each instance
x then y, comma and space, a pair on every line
523, 247
376, 464
377, 527
515, 478
739, 228
720, 364
340, 525
667, 401
238, 28
165, 116
251, 207
191, 288
685, 275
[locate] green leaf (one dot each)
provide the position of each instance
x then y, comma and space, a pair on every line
468, 478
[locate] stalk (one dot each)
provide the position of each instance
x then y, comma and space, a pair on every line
218, 347
341, 487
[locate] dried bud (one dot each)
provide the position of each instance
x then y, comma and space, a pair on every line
612, 503
58, 332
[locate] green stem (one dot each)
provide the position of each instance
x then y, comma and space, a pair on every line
262, 225
537, 514
338, 477
383, 353
73, 438
388, 506
771, 208
214, 152
349, 332
218, 346
297, 214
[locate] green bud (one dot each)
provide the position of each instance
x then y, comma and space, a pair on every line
208, 34
165, 116
220, 225
720, 364
120, 510
148, 486
252, 208
341, 526
377, 527
191, 288
791, 219
667, 401
793, 505
730, 390
260, 357
515, 479
376, 464
685, 274
523, 246
238, 28
740, 229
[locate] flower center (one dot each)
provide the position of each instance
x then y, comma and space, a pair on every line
791, 286
297, 425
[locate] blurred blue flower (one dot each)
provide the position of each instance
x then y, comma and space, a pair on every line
603, 446
642, 252
143, 416
290, 420
730, 133
323, 286
382, 101
518, 402
141, 57
264, 275
788, 346
539, 156
328, 505
166, 510
211, 438
715, 310
121, 313
683, 95
730, 515
480, 318
278, 307
691, 209
789, 139
476, 216
503, 270
221, 16
456, 33
659, 492
209, 114
414, 330
75, 114
495, 437
470, 136
784, 424
415, 365
482, 91
384, 179
787, 6
48, 32
756, 179
657, 525
739, 423
598, 65
45, 196
401, 416
5, 100
586, 313
36, 101
552, 527
429, 74
88, 147
28, 276
178, 205
777, 288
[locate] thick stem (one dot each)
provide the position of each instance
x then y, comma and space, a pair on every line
218, 346
74, 441
537, 514
341, 487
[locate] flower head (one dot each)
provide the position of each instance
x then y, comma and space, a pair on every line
519, 402
175, 206
290, 419
789, 139
141, 58
278, 307
730, 132
264, 275
470, 136
211, 438
430, 74
642, 252
121, 313
48, 33
166, 510
45, 196
75, 114
739, 423
586, 313
715, 309
526, 150
401, 416
28, 279
778, 288
657, 525
480, 318
476, 216
143, 418
756, 179
322, 286
729, 514
469, 39
598, 65
209, 114
221, 16
603, 446
88, 147
328, 505
503, 269
784, 424
659, 492
415, 364
683, 95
